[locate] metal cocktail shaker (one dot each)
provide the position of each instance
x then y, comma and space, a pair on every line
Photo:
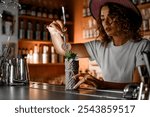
16, 71
22, 70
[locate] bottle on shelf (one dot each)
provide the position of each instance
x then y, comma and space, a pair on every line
44, 33
30, 56
45, 55
33, 11
36, 54
86, 10
30, 31
37, 32
45, 13
53, 55
21, 30
39, 12
50, 14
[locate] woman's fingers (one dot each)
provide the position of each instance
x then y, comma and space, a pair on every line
54, 27
64, 29
57, 26
60, 24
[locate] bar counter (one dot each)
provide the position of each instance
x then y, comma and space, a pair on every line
44, 91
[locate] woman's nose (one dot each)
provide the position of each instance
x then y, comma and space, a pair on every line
108, 21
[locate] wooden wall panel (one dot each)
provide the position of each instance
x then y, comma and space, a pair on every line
47, 73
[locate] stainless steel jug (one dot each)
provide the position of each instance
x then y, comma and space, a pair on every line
16, 71
22, 70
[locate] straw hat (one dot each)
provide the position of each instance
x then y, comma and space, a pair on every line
96, 5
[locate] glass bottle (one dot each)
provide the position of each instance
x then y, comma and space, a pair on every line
29, 31
38, 32
44, 33
21, 30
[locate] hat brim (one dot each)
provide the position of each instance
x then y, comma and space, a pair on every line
96, 5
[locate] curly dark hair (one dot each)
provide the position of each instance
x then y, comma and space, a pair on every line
126, 19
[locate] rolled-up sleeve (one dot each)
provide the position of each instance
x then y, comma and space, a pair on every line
91, 49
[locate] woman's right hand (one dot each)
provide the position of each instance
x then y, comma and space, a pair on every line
56, 27
57, 30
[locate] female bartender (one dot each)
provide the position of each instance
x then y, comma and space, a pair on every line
117, 50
